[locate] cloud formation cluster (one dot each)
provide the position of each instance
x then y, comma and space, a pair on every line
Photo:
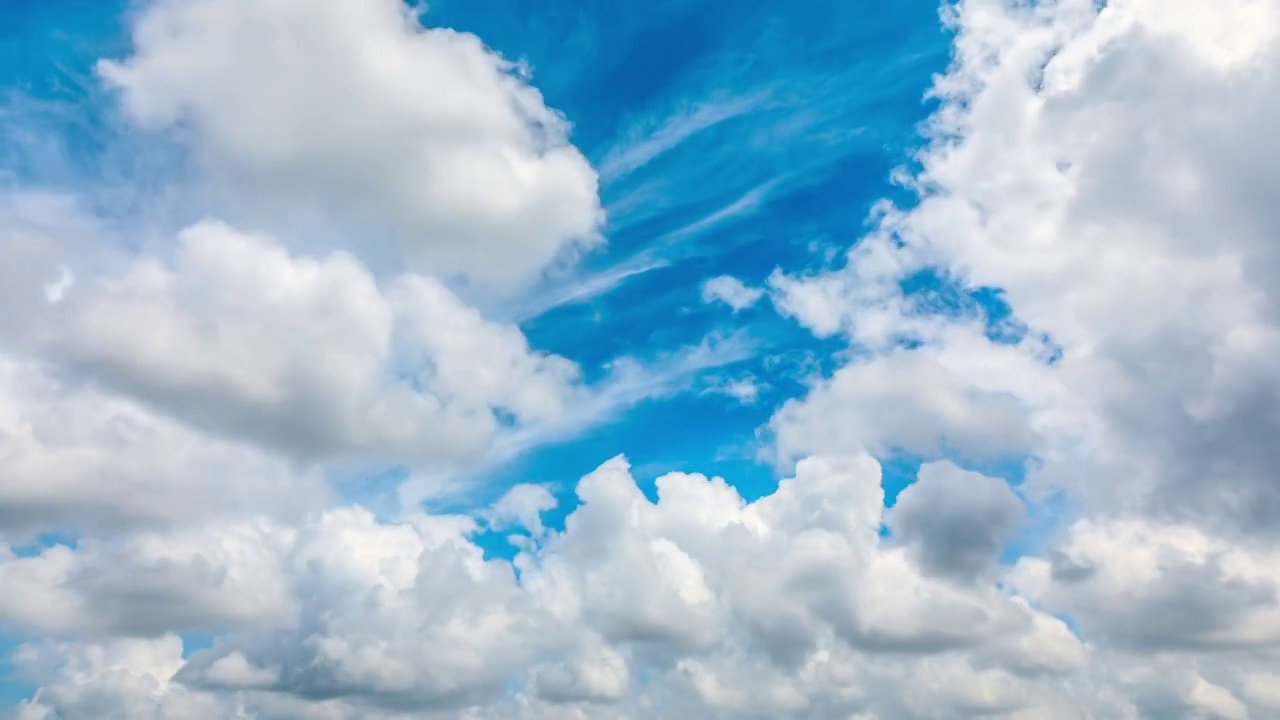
1108, 173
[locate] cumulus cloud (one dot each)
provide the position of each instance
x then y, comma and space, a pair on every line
1148, 264
76, 459
731, 291
425, 134
238, 336
908, 401
958, 521
1182, 588
1083, 162
694, 591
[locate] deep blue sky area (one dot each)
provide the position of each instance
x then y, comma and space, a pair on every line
839, 92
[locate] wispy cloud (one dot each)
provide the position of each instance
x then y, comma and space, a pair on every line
642, 145
630, 383
746, 204
661, 253
581, 289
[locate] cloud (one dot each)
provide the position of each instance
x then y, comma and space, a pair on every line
906, 400
1185, 589
730, 291
76, 459
1149, 265
308, 355
147, 584
790, 605
563, 291
642, 147
366, 117
521, 507
957, 521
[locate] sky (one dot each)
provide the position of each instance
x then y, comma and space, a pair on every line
679, 359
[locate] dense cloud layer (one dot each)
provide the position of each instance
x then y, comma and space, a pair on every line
1110, 171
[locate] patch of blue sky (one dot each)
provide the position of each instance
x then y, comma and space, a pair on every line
48, 99
194, 642
1046, 518
13, 688
44, 541
753, 154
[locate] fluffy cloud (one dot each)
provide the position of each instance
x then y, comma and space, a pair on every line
1149, 264
903, 401
695, 591
1104, 168
424, 136
219, 576
1183, 588
958, 521
794, 605
731, 291
76, 459
311, 355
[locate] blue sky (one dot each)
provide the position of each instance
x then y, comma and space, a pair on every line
813, 117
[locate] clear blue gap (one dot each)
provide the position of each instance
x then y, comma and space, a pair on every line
1045, 521
12, 688
48, 49
194, 642
44, 541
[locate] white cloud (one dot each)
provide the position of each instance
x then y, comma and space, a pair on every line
908, 400
117, 679
730, 291
366, 117
644, 143
57, 289
1216, 701
745, 390
793, 605
309, 355
78, 459
1181, 588
790, 606
214, 577
1149, 264
957, 521
521, 506
1106, 169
